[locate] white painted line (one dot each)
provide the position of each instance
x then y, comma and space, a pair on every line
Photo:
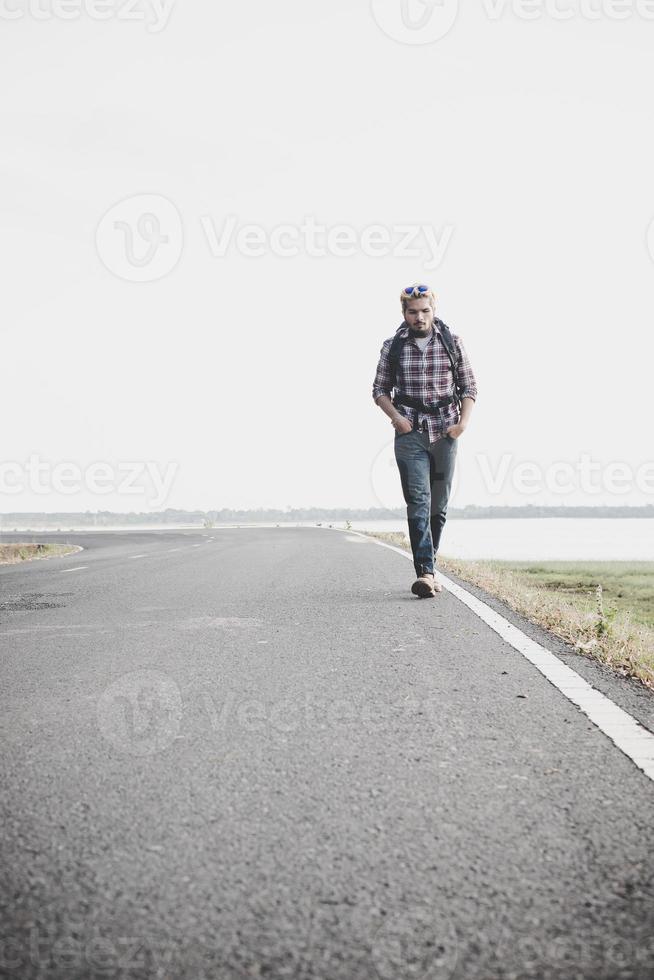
170, 550
625, 732
78, 568
137, 556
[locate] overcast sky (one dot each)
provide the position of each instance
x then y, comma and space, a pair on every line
173, 357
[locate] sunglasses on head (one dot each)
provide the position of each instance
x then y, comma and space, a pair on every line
416, 290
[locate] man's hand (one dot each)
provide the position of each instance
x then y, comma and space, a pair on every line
455, 431
398, 421
401, 424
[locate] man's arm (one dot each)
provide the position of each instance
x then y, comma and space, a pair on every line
468, 392
381, 391
467, 378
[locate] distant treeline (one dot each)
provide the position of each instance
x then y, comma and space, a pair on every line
318, 514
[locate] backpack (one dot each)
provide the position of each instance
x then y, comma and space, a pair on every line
445, 336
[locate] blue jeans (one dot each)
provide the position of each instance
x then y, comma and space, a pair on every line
426, 472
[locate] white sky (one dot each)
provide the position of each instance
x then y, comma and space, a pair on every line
530, 143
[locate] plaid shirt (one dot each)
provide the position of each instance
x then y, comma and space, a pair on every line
426, 375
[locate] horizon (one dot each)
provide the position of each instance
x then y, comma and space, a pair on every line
395, 512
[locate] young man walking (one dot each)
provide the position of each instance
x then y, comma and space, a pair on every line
435, 390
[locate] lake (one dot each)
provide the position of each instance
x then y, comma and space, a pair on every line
541, 539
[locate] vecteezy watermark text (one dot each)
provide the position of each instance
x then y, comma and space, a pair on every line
77, 948
574, 478
585, 475
563, 10
154, 13
316, 240
146, 478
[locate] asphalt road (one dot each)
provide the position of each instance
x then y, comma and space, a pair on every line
253, 753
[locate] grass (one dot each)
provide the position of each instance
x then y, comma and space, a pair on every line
604, 609
11, 554
628, 587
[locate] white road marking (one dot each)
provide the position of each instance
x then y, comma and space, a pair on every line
42, 629
78, 568
625, 732
170, 550
137, 556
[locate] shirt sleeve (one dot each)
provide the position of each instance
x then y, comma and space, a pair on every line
466, 374
382, 385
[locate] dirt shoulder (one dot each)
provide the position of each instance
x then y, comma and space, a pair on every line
15, 552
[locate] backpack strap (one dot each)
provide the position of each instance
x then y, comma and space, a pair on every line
394, 353
447, 340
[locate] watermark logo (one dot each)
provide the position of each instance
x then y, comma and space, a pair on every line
415, 21
650, 239
419, 943
141, 238
140, 713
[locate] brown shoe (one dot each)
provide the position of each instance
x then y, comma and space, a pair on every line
425, 587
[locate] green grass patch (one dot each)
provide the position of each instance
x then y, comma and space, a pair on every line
627, 587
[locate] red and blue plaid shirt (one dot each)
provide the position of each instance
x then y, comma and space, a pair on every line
427, 376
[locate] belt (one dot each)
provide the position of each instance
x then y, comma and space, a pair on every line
435, 409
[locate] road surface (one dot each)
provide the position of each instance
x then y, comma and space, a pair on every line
252, 752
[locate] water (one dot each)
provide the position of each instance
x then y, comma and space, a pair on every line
511, 539
541, 539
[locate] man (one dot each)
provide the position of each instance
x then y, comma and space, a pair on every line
434, 395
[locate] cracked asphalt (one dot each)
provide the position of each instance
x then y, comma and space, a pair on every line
252, 752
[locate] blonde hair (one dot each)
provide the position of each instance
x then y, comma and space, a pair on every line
417, 293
